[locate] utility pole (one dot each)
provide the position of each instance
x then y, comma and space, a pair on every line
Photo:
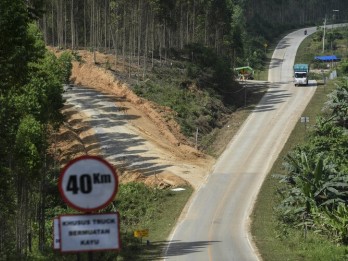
324, 35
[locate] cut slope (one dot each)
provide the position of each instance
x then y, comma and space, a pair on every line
152, 122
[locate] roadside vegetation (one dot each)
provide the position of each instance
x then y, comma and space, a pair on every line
31, 98
181, 54
301, 212
140, 207
201, 91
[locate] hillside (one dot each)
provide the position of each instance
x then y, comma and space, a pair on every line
153, 122
150, 121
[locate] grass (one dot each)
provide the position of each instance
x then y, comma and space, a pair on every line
164, 206
274, 240
160, 228
174, 203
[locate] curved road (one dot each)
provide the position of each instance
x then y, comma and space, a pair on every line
215, 225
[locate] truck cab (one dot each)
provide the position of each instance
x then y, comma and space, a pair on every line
301, 72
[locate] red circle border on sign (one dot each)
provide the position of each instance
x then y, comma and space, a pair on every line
84, 157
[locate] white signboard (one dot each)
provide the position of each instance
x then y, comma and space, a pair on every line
91, 232
56, 238
88, 183
305, 119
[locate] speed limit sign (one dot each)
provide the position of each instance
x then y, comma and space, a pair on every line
88, 183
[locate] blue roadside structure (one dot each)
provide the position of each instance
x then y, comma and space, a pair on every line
328, 59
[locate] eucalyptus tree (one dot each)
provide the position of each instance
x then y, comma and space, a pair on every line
30, 97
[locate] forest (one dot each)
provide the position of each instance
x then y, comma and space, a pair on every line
235, 29
214, 36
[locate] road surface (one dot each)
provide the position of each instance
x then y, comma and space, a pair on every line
215, 226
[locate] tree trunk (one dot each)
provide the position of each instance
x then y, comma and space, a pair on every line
41, 209
124, 40
52, 25
72, 27
146, 39
84, 24
65, 24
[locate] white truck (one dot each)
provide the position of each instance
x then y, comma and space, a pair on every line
301, 72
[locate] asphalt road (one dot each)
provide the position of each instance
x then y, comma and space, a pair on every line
215, 226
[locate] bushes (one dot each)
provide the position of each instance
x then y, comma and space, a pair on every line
343, 67
198, 87
193, 108
317, 177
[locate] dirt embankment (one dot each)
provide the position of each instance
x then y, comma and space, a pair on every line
153, 122
89, 74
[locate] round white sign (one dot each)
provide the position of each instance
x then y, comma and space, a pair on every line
88, 183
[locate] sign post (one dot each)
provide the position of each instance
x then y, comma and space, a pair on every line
87, 184
141, 233
304, 120
56, 237
89, 232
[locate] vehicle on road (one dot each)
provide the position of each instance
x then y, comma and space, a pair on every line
301, 72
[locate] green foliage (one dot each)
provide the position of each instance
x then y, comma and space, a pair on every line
222, 77
30, 98
36, 48
13, 43
193, 71
65, 65
316, 178
135, 204
245, 42
142, 207
343, 66
256, 55
334, 222
201, 56
203, 61
200, 89
316, 175
337, 104
45, 87
76, 56
296, 236
28, 146
193, 109
318, 36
